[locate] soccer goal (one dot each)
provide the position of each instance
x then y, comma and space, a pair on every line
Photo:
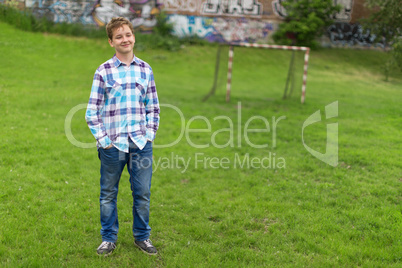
264, 46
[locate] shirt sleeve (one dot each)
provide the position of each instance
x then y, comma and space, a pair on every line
93, 114
151, 109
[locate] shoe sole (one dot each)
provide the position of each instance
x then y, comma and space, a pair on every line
105, 255
151, 254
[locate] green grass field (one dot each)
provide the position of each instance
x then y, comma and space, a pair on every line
297, 212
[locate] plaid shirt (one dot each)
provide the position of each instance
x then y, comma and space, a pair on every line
123, 103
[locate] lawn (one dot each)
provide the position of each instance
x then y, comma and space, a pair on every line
217, 199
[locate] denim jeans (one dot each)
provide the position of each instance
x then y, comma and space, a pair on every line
139, 166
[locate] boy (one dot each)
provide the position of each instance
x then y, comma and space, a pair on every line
123, 115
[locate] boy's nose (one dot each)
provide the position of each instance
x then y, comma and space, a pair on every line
125, 39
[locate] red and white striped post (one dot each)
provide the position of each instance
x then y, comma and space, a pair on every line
306, 57
230, 64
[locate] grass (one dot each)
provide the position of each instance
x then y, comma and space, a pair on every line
304, 214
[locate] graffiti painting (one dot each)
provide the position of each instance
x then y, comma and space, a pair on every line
346, 34
181, 5
140, 13
221, 30
232, 7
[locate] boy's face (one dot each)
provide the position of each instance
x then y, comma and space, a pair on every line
123, 40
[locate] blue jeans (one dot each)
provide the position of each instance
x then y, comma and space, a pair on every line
139, 166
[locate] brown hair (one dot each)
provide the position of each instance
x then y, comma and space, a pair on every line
116, 23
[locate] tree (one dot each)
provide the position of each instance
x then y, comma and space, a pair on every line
386, 18
305, 21
385, 22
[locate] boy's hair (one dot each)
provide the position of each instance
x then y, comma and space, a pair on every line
116, 23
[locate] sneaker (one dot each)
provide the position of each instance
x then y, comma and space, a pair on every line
106, 248
146, 246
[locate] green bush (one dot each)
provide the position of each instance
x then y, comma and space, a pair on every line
397, 52
163, 28
385, 22
305, 22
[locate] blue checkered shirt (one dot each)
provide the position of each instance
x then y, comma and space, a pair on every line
123, 104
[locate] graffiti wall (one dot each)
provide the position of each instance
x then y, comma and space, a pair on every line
260, 9
256, 20
222, 30
214, 20
346, 34
140, 12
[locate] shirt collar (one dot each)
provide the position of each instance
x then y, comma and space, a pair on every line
117, 62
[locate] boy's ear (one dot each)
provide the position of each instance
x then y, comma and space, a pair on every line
110, 42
